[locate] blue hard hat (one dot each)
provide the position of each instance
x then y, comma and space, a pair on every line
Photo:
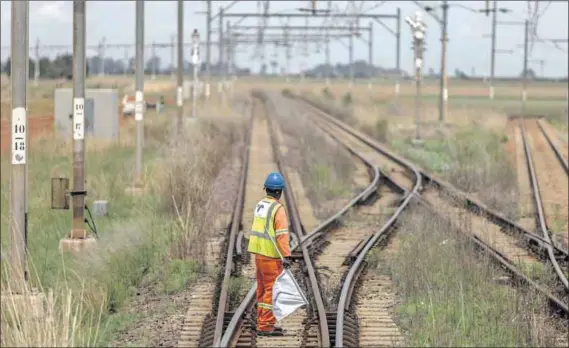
274, 181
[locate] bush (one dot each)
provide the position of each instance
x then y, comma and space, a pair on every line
474, 161
380, 131
327, 93
195, 162
347, 100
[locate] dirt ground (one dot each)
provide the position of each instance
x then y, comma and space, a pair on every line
159, 318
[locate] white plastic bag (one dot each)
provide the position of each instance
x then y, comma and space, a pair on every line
287, 295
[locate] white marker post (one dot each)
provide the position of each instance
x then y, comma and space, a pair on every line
180, 97
78, 118
19, 135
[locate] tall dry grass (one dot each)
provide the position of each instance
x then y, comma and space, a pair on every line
151, 239
451, 295
195, 163
56, 318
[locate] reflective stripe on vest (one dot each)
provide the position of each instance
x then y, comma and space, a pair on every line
263, 229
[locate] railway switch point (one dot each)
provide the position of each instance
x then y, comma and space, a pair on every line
31, 302
75, 245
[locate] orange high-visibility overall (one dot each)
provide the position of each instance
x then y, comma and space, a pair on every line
268, 269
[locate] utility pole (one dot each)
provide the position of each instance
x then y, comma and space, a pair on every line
102, 57
139, 95
18, 192
78, 194
229, 53
180, 95
153, 77
227, 42
196, 64
37, 63
351, 54
493, 48
208, 44
126, 62
288, 54
525, 71
328, 70
443, 79
172, 55
370, 49
398, 53
328, 65
221, 41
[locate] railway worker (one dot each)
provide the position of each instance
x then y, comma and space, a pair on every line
269, 231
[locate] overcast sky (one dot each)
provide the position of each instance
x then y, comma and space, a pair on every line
468, 49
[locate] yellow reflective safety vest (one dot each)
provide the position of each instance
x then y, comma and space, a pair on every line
263, 229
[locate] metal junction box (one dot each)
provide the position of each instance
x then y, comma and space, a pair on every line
101, 113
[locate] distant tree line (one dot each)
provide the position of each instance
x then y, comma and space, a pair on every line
62, 67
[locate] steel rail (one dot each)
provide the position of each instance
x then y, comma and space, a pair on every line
554, 147
500, 258
233, 232
239, 314
356, 267
539, 207
347, 286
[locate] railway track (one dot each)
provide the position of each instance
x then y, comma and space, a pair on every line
541, 218
323, 323
345, 242
242, 327
314, 331
487, 230
203, 300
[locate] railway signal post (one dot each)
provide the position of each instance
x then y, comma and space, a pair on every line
418, 28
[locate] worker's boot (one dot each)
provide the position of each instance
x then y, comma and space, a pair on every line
273, 332
278, 329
